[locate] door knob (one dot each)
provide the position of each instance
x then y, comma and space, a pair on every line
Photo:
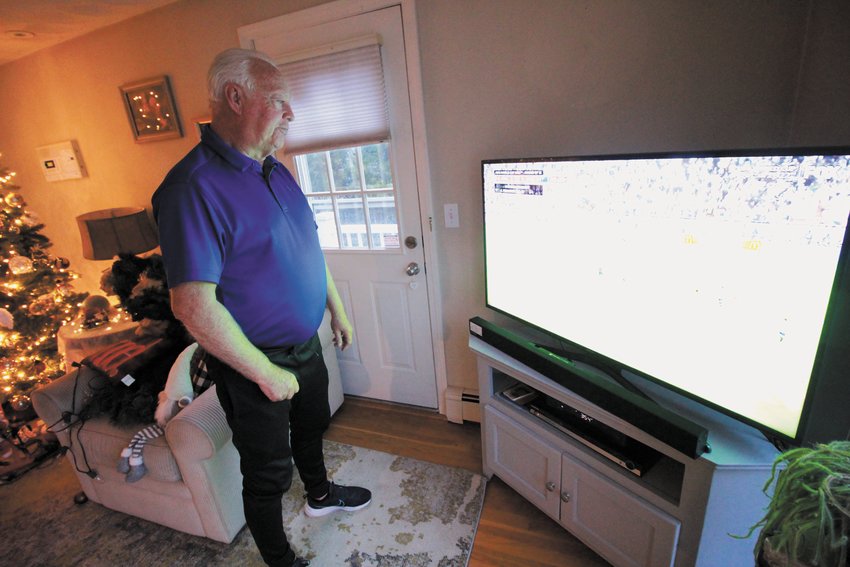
565, 496
550, 486
412, 269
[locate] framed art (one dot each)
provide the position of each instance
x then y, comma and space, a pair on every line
151, 109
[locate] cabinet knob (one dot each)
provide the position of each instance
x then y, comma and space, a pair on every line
565, 496
550, 486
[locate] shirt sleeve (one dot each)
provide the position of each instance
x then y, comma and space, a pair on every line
191, 234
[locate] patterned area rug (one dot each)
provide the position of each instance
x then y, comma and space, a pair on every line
421, 514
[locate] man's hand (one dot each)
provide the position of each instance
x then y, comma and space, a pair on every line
341, 327
279, 385
342, 330
207, 320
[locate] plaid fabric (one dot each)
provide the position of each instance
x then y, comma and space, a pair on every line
198, 371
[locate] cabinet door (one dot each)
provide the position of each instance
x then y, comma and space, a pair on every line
624, 529
523, 461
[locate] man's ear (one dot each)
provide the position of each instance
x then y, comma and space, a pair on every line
235, 97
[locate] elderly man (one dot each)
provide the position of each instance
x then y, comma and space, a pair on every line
249, 280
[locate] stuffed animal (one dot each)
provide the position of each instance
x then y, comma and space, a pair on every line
178, 392
140, 284
186, 380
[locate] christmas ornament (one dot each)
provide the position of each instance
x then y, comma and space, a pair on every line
20, 265
64, 289
61, 263
20, 402
29, 219
7, 320
14, 200
96, 311
38, 307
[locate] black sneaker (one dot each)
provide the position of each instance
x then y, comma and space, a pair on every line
348, 498
300, 562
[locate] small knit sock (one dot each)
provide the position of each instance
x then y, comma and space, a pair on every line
124, 461
137, 469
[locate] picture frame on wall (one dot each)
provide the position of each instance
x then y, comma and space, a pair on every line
151, 109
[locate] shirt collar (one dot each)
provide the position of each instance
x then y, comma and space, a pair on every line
232, 156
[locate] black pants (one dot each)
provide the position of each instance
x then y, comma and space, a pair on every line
269, 435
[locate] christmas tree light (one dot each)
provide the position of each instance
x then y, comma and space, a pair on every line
36, 298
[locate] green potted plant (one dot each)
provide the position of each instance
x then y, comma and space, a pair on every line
807, 522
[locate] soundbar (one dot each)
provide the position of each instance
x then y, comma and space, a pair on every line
668, 427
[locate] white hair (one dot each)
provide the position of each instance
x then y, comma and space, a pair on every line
239, 66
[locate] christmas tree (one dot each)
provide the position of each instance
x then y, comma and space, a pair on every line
36, 299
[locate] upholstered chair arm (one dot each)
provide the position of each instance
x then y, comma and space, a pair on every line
66, 395
199, 438
199, 430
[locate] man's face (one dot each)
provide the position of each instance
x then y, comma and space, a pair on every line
267, 115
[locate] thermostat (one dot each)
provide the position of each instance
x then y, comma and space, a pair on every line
61, 161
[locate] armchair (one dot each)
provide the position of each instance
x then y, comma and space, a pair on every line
193, 483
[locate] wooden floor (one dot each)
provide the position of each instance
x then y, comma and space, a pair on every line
512, 532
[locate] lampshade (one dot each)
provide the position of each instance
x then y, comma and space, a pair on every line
110, 232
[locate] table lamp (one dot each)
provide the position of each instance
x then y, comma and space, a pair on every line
109, 232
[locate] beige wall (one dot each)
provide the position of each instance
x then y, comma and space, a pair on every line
71, 92
501, 78
552, 77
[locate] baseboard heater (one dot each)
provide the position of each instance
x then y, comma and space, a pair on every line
462, 405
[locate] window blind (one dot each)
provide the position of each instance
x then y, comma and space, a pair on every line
338, 99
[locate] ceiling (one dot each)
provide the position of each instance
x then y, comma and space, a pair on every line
26, 26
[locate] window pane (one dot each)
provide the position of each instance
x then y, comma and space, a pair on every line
341, 217
352, 221
382, 218
346, 171
317, 169
376, 166
323, 210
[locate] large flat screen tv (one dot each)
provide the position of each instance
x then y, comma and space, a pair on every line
721, 275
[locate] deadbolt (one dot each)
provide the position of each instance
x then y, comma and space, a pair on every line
411, 242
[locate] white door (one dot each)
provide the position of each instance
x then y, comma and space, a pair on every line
379, 269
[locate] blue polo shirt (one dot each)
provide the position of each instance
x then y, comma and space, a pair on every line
221, 220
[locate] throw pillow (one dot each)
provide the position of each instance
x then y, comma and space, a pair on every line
124, 357
130, 400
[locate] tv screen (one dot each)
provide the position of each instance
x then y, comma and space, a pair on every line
709, 273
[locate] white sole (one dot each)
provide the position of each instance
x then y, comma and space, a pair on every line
318, 513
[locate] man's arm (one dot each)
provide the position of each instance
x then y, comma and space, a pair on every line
215, 329
340, 325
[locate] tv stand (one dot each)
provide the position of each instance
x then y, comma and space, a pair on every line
678, 511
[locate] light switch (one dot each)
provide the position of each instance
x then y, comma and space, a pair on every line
452, 220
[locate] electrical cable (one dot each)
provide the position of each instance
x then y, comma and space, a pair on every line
68, 419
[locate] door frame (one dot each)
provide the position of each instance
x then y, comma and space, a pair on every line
341, 9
